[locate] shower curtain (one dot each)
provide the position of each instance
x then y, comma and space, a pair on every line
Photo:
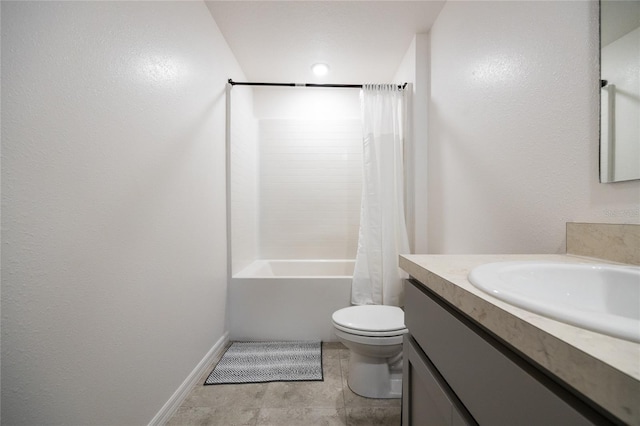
377, 279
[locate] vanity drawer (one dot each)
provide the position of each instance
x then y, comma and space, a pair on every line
496, 385
427, 399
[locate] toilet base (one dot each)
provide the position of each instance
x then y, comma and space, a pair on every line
375, 377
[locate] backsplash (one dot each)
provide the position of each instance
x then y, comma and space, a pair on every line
614, 242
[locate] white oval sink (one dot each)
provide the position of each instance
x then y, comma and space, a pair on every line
602, 298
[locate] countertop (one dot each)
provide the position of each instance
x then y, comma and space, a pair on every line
604, 369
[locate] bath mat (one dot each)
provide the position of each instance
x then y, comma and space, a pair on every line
260, 362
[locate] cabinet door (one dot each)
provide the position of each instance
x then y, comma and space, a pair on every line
496, 385
427, 399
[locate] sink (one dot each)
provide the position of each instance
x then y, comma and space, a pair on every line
601, 298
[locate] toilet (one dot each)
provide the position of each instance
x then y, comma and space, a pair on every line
373, 335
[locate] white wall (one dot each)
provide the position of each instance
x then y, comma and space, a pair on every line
113, 225
414, 69
513, 139
310, 175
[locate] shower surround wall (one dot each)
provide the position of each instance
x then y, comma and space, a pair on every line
295, 193
308, 175
310, 188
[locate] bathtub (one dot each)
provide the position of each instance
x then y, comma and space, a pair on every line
288, 299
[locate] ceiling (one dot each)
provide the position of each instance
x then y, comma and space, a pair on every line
361, 41
617, 19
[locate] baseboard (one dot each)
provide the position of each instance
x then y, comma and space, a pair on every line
181, 393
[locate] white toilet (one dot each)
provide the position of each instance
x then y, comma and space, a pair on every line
373, 334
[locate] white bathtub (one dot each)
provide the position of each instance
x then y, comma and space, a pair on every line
288, 299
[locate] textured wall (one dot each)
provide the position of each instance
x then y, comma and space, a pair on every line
513, 148
113, 225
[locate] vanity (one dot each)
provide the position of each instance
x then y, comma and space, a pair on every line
471, 358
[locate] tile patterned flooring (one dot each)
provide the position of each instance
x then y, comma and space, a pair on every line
329, 402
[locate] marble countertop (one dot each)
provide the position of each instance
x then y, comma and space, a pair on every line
603, 368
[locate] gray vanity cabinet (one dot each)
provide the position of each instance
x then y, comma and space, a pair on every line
456, 373
427, 398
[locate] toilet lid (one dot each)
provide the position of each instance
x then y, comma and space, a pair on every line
370, 318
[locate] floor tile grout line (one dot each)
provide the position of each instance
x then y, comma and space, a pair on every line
343, 381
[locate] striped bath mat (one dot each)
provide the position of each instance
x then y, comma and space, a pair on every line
258, 362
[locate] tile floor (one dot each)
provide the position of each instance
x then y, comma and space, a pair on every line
329, 402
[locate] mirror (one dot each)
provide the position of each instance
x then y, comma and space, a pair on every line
620, 90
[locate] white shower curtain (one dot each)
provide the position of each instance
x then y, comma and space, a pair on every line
377, 279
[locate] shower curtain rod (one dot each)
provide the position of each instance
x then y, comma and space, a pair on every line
343, 86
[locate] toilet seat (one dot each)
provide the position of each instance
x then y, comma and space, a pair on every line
371, 340
370, 320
